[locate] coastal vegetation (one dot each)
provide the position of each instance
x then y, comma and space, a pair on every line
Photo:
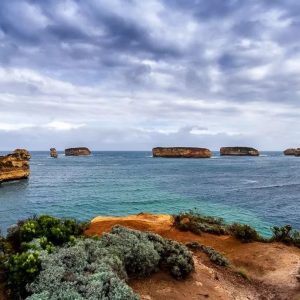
214, 256
50, 258
197, 223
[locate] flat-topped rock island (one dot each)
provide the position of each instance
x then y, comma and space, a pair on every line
239, 151
292, 151
15, 166
79, 151
181, 152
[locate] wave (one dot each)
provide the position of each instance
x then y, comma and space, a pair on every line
249, 181
276, 186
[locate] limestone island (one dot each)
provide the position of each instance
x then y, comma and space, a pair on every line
15, 166
79, 151
239, 151
292, 151
53, 153
181, 152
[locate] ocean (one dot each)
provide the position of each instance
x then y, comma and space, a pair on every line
262, 191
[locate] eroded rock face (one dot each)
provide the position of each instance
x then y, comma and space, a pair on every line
77, 151
292, 151
239, 151
181, 152
15, 166
53, 153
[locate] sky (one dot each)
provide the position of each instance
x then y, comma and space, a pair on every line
132, 75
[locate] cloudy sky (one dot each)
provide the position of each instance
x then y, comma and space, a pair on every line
131, 74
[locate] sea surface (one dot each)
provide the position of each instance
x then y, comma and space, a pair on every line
262, 191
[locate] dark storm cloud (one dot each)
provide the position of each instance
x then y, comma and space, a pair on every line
156, 66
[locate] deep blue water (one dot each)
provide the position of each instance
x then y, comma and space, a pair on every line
262, 191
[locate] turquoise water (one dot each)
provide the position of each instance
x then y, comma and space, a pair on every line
262, 191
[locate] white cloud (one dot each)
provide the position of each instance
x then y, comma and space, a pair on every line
57, 125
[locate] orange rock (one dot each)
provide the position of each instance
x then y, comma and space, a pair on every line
239, 151
185, 221
14, 166
181, 152
77, 151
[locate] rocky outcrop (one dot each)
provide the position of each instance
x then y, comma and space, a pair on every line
239, 151
77, 151
15, 166
181, 152
53, 153
292, 151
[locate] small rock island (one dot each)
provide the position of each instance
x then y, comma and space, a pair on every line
15, 166
239, 151
79, 151
53, 153
292, 151
181, 152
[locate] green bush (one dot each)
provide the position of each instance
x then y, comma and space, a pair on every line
214, 256
22, 269
26, 240
57, 231
244, 233
286, 234
197, 223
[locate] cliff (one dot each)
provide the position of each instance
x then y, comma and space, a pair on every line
53, 153
77, 151
181, 152
15, 166
239, 151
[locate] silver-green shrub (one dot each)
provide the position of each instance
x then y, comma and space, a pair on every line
98, 268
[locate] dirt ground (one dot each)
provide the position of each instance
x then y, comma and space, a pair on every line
259, 270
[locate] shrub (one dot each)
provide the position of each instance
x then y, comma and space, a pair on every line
22, 269
244, 233
38, 244
287, 235
99, 268
214, 256
167, 254
242, 272
197, 223
57, 231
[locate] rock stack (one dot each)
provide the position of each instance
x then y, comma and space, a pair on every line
15, 166
77, 151
181, 152
292, 151
239, 151
53, 153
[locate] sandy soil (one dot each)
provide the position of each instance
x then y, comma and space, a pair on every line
270, 267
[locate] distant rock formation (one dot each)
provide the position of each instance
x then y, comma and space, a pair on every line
77, 151
181, 152
292, 151
53, 153
15, 166
239, 151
